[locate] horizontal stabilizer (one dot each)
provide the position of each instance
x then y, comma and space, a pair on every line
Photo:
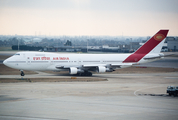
154, 56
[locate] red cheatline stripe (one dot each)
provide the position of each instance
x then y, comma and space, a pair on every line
147, 47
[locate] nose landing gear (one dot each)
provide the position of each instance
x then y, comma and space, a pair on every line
22, 73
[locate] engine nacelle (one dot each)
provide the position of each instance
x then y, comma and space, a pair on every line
109, 70
73, 70
101, 69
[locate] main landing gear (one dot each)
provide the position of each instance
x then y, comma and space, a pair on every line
22, 73
86, 73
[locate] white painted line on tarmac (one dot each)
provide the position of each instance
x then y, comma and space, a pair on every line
148, 99
135, 93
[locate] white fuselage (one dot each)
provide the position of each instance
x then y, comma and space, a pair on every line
43, 61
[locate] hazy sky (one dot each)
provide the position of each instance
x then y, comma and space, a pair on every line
88, 17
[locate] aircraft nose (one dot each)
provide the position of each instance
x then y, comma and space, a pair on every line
4, 62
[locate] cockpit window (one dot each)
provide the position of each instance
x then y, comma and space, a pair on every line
17, 54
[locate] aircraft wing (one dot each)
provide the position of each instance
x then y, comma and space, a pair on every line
96, 65
121, 64
108, 65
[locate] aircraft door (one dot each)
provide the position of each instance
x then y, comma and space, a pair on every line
28, 61
103, 61
51, 61
79, 61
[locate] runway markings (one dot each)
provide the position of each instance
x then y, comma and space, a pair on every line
142, 97
135, 93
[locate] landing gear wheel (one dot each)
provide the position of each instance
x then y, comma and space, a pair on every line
89, 74
82, 74
22, 73
86, 74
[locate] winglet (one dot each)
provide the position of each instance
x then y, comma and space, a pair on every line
147, 47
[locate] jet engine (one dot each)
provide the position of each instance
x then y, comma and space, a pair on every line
109, 70
101, 69
74, 70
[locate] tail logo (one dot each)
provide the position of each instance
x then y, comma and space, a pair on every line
159, 37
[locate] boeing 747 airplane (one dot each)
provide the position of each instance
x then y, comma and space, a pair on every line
83, 64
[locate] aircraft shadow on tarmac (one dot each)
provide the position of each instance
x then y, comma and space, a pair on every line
7, 98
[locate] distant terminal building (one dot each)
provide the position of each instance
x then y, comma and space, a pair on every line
134, 46
172, 43
66, 49
94, 48
170, 39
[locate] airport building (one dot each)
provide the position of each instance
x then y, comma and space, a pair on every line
172, 43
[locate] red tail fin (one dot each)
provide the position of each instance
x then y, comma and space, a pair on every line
147, 47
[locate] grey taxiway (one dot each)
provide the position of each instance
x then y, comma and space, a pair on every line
123, 96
